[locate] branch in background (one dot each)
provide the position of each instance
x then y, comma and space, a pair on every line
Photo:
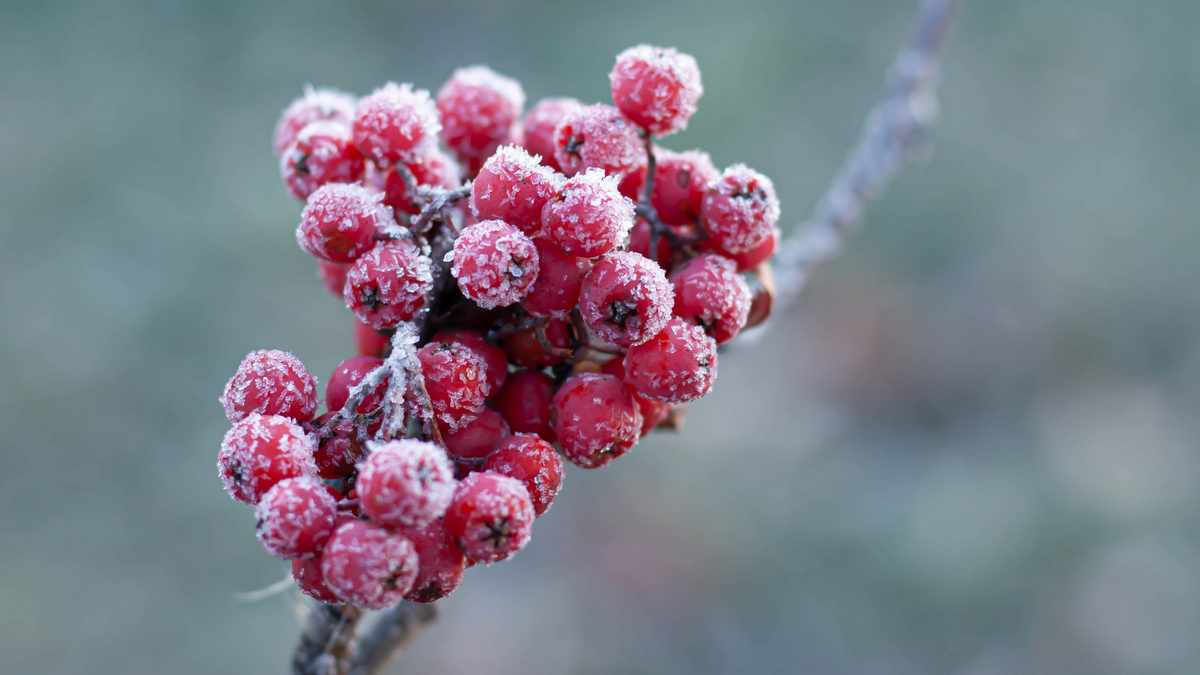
894, 132
391, 631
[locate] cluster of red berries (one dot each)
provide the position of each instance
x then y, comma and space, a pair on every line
566, 299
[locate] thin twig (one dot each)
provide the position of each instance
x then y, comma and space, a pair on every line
391, 631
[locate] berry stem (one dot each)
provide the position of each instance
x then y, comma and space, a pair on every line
437, 204
645, 207
391, 631
326, 640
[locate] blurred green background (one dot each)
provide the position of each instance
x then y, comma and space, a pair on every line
971, 448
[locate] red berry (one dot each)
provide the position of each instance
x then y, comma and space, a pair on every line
473, 442
556, 290
369, 341
295, 518
307, 574
711, 294
596, 419
589, 216
329, 105
524, 401
388, 285
405, 482
512, 186
332, 276
490, 518
528, 350
495, 263
540, 124
740, 209
338, 449
270, 382
626, 299
532, 461
493, 356
434, 169
395, 123
322, 153
653, 412
677, 365
456, 379
347, 376
597, 136
441, 566
340, 221
261, 450
680, 179
368, 566
480, 110
656, 87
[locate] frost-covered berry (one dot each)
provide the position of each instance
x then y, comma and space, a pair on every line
524, 401
338, 449
441, 565
626, 299
495, 263
295, 518
340, 221
490, 518
680, 179
395, 123
677, 365
653, 412
540, 123
473, 442
270, 382
404, 482
740, 209
346, 376
513, 186
596, 419
656, 87
368, 566
754, 257
596, 136
548, 345
556, 291
316, 105
493, 356
532, 461
589, 216
322, 153
367, 340
306, 572
388, 284
456, 379
711, 294
332, 276
480, 110
261, 450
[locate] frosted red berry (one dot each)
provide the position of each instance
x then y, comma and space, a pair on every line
532, 461
338, 447
441, 563
680, 180
556, 290
655, 87
597, 136
512, 186
472, 443
307, 574
322, 153
367, 566
346, 376
388, 284
626, 299
261, 450
340, 222
456, 379
494, 359
677, 365
404, 482
754, 257
495, 263
316, 105
589, 216
295, 518
480, 109
740, 209
711, 294
395, 123
596, 419
653, 412
490, 518
270, 382
524, 402
540, 123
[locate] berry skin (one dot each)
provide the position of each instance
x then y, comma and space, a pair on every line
556, 290
456, 379
480, 110
441, 565
295, 518
367, 340
589, 216
493, 356
405, 482
332, 276
740, 209
680, 180
532, 461
270, 382
472, 443
597, 136
339, 450
655, 87
653, 412
528, 350
368, 566
490, 518
512, 186
596, 419
755, 256
340, 221
711, 294
322, 153
678, 365
633, 183
626, 299
395, 123
495, 263
346, 376
307, 574
261, 450
316, 105
524, 401
540, 124
388, 285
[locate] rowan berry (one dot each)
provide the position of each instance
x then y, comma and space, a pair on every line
340, 222
512, 186
456, 380
369, 341
547, 345
626, 299
711, 294
472, 443
261, 450
480, 110
589, 216
539, 126
388, 284
653, 412
556, 290
655, 87
532, 461
338, 448
368, 566
597, 136
322, 153
316, 105
270, 382
494, 359
295, 518
596, 419
524, 402
332, 276
404, 482
346, 376
677, 365
441, 563
739, 210
495, 263
395, 123
490, 518
680, 180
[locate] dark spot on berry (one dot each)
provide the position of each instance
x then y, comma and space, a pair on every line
498, 532
390, 581
428, 593
574, 144
300, 163
619, 313
369, 296
683, 177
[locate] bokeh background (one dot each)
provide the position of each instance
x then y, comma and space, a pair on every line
971, 448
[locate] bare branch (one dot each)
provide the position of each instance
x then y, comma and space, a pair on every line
391, 631
325, 643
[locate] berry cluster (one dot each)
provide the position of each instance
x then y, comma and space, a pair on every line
567, 298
